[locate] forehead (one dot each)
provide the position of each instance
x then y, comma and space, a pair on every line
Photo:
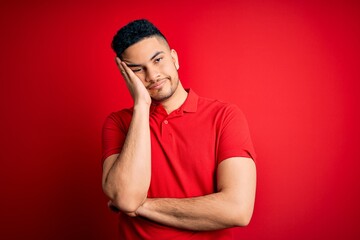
145, 49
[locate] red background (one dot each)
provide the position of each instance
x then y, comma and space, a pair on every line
292, 67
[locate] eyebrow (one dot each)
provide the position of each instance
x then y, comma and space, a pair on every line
133, 65
156, 54
139, 65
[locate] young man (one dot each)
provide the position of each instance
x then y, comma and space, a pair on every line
175, 165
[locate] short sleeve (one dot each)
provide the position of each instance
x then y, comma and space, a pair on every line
234, 136
114, 132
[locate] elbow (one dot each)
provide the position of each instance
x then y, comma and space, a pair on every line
128, 205
242, 221
242, 217
125, 202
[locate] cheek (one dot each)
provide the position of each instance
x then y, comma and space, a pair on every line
169, 69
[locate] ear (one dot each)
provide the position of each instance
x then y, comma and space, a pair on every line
175, 58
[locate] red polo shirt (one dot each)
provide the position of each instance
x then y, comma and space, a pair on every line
186, 147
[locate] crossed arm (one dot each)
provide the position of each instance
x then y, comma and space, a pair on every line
231, 206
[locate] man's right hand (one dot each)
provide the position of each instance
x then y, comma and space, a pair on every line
137, 89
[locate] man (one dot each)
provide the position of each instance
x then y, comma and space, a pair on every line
175, 165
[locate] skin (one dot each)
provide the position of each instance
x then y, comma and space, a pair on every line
149, 69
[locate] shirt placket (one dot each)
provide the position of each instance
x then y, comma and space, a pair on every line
167, 126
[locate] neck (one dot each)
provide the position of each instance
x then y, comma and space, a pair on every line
176, 100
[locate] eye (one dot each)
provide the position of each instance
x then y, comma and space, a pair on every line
158, 59
136, 70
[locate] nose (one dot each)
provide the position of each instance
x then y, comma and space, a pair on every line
152, 74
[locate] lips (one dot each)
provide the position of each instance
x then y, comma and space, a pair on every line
157, 85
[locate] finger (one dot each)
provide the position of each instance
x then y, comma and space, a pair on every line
129, 82
117, 60
118, 63
131, 75
125, 69
121, 68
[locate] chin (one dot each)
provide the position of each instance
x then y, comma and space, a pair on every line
162, 96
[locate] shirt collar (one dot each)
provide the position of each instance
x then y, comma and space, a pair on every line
190, 104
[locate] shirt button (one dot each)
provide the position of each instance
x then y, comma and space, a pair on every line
166, 122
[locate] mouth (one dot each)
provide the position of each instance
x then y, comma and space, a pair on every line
157, 85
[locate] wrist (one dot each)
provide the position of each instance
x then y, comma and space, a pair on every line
143, 101
141, 107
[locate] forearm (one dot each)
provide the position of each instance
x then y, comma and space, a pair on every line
205, 213
128, 179
231, 206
